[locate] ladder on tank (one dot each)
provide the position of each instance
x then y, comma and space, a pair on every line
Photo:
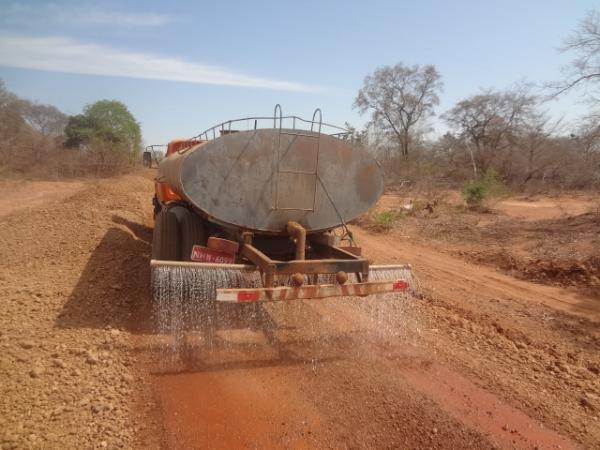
296, 172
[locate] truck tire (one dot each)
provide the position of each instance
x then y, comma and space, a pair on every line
166, 237
192, 232
157, 206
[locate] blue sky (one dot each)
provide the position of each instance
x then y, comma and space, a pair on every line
182, 66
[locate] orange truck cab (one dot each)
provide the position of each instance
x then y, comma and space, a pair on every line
163, 191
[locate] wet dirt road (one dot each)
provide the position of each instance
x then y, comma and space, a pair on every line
481, 361
361, 373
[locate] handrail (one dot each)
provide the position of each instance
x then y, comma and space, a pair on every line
277, 106
338, 132
342, 131
318, 110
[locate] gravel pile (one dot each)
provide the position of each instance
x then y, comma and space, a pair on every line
72, 279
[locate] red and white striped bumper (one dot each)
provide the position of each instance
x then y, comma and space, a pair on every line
307, 292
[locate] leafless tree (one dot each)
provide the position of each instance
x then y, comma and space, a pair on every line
6, 97
589, 135
48, 120
585, 68
587, 151
400, 98
489, 123
12, 126
30, 134
539, 151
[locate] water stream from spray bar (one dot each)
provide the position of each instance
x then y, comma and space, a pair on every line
184, 305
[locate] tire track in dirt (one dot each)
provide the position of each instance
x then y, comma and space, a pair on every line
476, 407
297, 379
514, 337
445, 273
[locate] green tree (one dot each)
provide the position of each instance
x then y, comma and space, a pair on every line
106, 125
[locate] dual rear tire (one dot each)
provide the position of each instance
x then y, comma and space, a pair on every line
176, 231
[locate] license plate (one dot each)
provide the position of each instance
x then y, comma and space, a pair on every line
205, 254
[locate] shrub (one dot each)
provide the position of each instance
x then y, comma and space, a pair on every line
474, 192
384, 220
489, 185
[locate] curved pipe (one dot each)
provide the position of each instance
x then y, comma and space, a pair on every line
298, 232
318, 110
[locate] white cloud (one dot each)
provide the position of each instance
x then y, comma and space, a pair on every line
26, 13
118, 18
58, 54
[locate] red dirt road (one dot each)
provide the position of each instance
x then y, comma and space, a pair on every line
481, 361
472, 365
34, 194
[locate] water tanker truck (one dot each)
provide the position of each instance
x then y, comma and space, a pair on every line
261, 214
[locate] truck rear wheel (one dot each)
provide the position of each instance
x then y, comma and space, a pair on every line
166, 237
191, 231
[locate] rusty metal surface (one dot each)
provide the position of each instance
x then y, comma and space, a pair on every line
310, 292
321, 266
261, 179
299, 233
251, 268
272, 268
344, 261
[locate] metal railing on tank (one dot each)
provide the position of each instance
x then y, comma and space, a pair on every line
277, 120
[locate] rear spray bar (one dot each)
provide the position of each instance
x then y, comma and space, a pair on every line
201, 265
309, 292
389, 278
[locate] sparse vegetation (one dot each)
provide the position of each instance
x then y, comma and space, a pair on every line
107, 130
475, 191
386, 219
39, 141
379, 220
507, 130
